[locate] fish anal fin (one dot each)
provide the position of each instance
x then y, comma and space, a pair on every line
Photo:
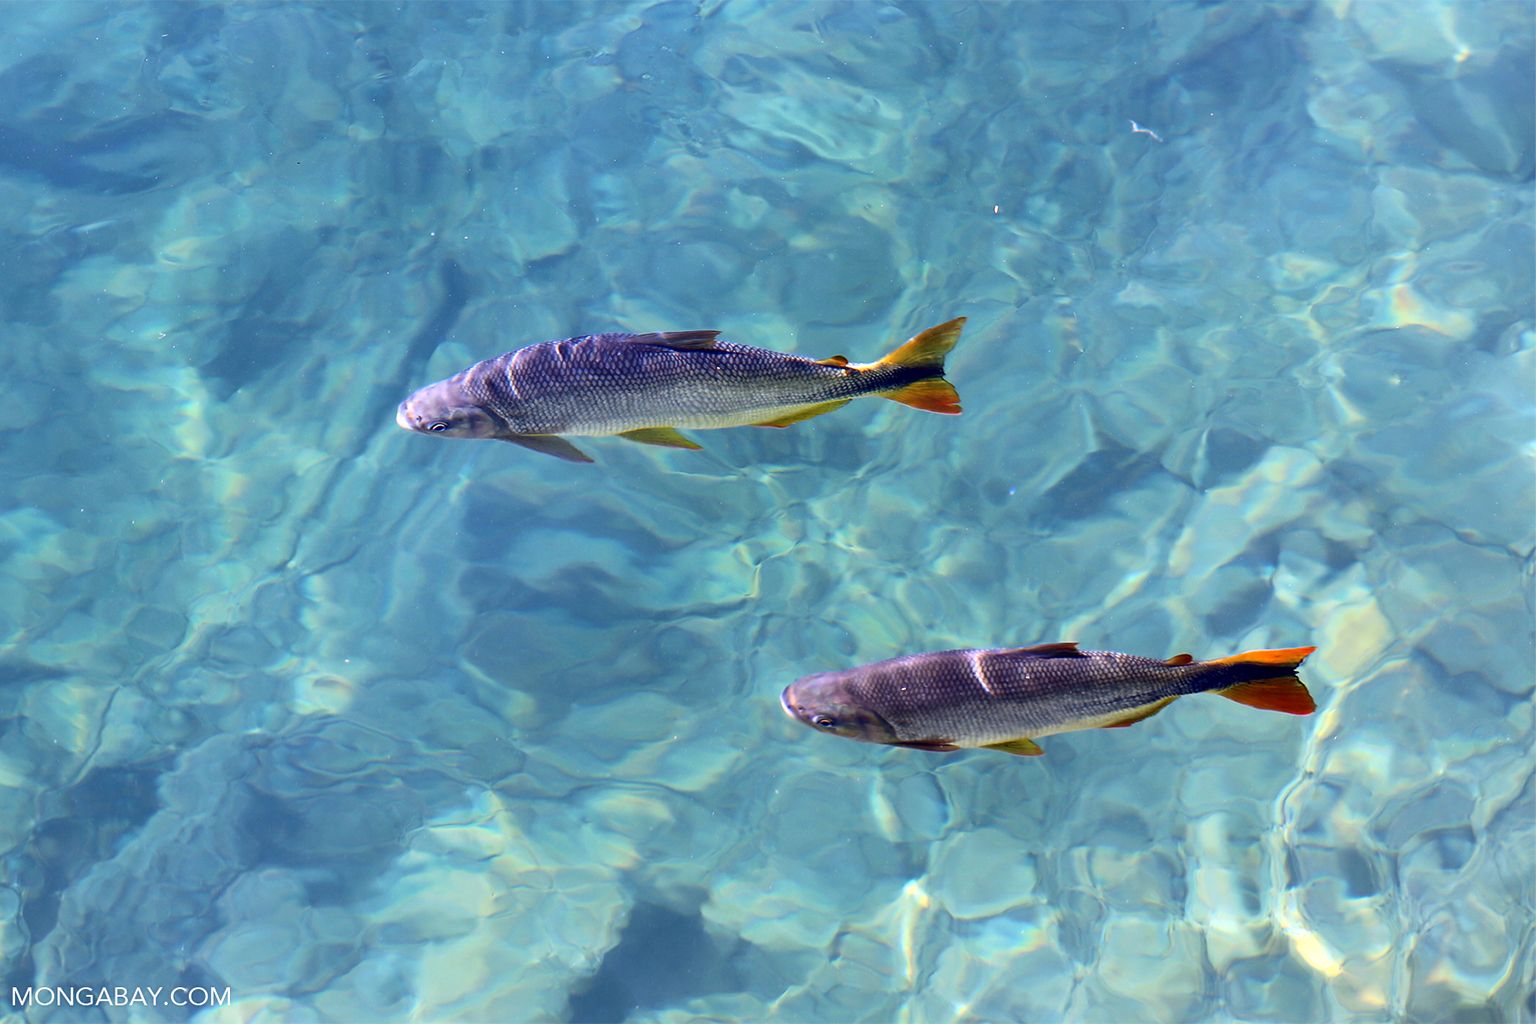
549, 444
833, 361
932, 395
1285, 693
805, 412
928, 348
1141, 714
938, 746
1021, 747
666, 437
1066, 649
1180, 659
676, 339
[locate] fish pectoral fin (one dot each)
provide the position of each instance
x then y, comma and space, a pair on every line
666, 437
833, 361
935, 745
1180, 659
1021, 747
549, 444
685, 340
932, 395
1061, 650
1141, 714
1286, 693
805, 412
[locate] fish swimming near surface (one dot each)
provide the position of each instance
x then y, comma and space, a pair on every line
1005, 698
644, 387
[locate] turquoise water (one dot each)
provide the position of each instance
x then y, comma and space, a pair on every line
358, 725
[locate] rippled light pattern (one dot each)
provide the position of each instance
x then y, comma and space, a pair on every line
370, 726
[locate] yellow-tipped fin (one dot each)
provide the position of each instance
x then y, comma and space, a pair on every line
804, 413
667, 437
833, 361
928, 348
1021, 747
1180, 659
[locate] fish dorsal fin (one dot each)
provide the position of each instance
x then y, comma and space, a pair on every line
667, 437
549, 444
942, 746
1141, 714
833, 361
1286, 693
805, 412
683, 340
1180, 659
1021, 747
1059, 650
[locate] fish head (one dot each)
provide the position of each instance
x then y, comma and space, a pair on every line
444, 409
825, 702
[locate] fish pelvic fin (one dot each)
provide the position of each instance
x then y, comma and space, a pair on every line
804, 413
1276, 688
1142, 714
928, 348
1021, 747
666, 437
549, 444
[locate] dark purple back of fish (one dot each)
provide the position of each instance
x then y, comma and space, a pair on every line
608, 383
975, 697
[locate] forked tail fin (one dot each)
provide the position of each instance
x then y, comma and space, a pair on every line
1267, 680
927, 351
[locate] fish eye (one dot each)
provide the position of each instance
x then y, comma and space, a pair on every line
823, 722
437, 426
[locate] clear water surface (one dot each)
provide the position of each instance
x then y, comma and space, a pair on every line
368, 726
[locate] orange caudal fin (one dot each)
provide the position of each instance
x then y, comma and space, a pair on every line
1276, 687
1287, 694
926, 352
928, 348
932, 395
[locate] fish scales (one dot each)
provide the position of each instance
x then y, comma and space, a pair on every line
987, 696
601, 385
643, 387
1004, 697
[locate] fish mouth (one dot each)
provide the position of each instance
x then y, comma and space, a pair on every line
404, 419
784, 702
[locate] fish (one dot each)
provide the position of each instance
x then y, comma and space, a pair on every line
1005, 698
645, 387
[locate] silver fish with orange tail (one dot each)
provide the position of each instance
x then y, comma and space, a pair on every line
1005, 698
643, 387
